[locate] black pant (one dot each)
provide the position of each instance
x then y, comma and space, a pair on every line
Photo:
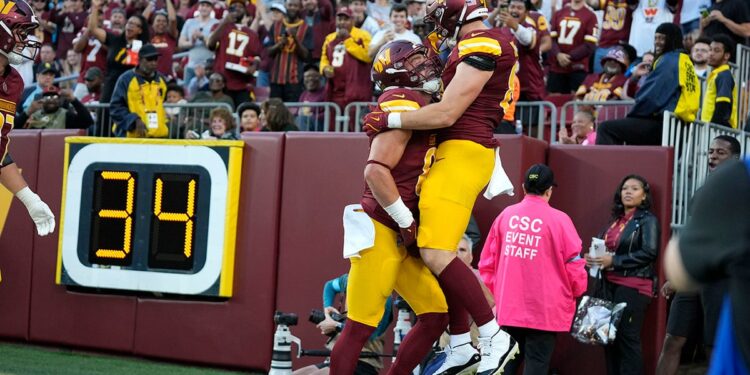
624, 355
536, 350
630, 130
565, 83
289, 93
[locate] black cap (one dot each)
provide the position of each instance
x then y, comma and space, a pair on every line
46, 68
538, 179
148, 50
92, 73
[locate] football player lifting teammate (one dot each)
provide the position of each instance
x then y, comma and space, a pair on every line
397, 162
477, 79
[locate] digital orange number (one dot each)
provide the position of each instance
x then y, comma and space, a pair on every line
185, 217
126, 214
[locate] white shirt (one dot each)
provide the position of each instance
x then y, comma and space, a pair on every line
646, 18
691, 10
370, 25
407, 35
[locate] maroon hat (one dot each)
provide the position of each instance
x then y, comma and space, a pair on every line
344, 11
51, 90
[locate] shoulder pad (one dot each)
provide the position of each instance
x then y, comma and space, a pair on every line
481, 62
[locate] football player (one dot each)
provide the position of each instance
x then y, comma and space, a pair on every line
396, 165
478, 80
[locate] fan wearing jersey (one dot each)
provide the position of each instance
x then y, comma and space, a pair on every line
575, 34
93, 54
237, 52
478, 79
396, 165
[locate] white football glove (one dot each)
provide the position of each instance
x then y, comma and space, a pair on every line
38, 210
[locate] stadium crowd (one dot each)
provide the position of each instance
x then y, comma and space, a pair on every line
316, 51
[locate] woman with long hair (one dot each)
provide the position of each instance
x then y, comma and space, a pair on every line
275, 116
632, 239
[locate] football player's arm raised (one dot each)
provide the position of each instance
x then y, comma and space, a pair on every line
470, 78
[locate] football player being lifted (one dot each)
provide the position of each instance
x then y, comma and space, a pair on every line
397, 163
478, 78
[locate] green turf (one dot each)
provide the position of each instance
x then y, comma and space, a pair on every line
26, 359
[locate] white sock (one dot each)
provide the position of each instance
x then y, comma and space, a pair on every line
489, 328
461, 339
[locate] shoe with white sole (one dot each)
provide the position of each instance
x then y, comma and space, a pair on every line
461, 360
496, 351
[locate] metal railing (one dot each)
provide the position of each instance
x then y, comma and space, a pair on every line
691, 142
742, 79
317, 117
351, 121
536, 117
603, 111
181, 118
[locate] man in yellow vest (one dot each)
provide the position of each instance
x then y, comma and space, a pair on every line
720, 101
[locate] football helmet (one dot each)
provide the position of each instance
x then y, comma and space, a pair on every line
389, 69
450, 15
17, 40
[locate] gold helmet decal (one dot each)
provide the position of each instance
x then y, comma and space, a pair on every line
384, 58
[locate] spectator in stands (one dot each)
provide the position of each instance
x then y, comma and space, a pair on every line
635, 82
236, 62
571, 47
582, 129
122, 48
361, 19
632, 239
729, 17
535, 286
94, 79
165, 36
137, 106
71, 66
646, 18
175, 95
216, 94
688, 307
632, 57
311, 118
275, 117
699, 55
345, 62
118, 19
415, 10
690, 15
607, 85
93, 55
194, 35
616, 22
185, 9
48, 112
671, 86
69, 22
45, 77
530, 73
380, 10
47, 26
249, 117
720, 99
47, 56
289, 45
319, 16
199, 80
222, 126
395, 31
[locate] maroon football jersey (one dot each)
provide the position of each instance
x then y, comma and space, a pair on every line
569, 29
68, 25
11, 88
95, 54
618, 16
484, 114
415, 161
530, 71
167, 45
238, 47
596, 87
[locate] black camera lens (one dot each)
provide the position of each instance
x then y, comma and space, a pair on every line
289, 319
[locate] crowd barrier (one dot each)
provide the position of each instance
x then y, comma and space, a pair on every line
289, 241
691, 143
181, 118
603, 110
742, 78
318, 117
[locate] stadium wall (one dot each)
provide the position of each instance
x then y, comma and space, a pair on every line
294, 187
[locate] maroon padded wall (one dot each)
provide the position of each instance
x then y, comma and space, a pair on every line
587, 178
17, 241
322, 174
57, 316
517, 154
238, 332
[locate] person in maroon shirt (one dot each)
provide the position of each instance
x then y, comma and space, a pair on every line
164, 38
618, 15
46, 27
237, 52
575, 33
93, 54
311, 118
289, 45
318, 14
346, 62
70, 20
607, 85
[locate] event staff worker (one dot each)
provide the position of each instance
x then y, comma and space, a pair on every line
531, 263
